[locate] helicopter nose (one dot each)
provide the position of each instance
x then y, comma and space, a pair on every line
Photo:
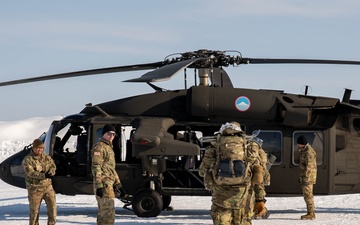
4, 170
11, 170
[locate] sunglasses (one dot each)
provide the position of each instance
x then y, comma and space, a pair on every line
111, 133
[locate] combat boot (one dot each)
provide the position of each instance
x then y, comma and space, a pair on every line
308, 216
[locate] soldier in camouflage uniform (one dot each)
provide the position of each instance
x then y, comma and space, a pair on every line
39, 168
228, 202
105, 176
259, 210
307, 177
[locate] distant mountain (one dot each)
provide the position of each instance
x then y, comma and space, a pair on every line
15, 135
25, 130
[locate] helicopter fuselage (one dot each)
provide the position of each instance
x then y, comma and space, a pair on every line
162, 137
163, 115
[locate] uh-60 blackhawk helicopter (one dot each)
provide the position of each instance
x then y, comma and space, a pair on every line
162, 135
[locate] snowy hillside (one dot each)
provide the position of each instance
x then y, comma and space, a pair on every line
15, 135
25, 130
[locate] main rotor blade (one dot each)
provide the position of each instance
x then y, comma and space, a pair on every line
298, 61
85, 73
165, 72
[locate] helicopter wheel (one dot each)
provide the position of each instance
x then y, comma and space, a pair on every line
147, 203
166, 201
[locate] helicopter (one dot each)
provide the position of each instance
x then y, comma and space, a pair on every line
162, 136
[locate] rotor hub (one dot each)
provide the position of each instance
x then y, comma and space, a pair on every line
211, 58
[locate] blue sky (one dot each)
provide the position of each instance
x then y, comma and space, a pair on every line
48, 37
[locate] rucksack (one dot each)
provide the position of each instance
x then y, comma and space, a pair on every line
231, 165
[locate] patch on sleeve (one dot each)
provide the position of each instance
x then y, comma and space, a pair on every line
96, 153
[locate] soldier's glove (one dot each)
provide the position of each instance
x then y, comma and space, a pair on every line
258, 175
119, 191
100, 192
48, 175
259, 207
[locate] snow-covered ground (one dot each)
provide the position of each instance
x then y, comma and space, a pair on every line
82, 209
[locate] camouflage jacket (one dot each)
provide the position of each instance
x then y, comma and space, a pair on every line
264, 161
35, 168
103, 164
229, 197
308, 167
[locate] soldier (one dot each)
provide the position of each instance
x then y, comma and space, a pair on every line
307, 177
39, 168
259, 209
106, 179
229, 202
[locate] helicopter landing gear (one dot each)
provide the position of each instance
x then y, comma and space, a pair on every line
166, 201
147, 203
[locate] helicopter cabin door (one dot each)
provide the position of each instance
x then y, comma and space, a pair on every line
283, 151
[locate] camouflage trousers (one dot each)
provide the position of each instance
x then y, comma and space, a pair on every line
36, 195
222, 216
308, 197
106, 207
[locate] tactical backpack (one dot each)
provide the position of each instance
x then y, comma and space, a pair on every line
265, 159
231, 165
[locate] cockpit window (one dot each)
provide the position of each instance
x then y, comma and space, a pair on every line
70, 149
